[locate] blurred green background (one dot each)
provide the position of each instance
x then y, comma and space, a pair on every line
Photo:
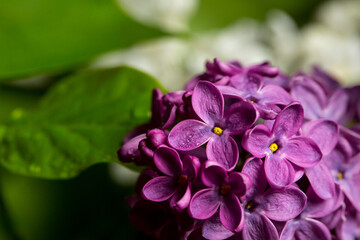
61, 120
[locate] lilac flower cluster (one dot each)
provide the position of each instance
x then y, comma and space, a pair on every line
249, 153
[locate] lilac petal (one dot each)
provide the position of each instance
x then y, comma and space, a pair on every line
336, 159
289, 230
213, 229
353, 168
351, 189
231, 214
324, 132
189, 134
254, 168
257, 141
239, 183
289, 120
317, 207
321, 180
312, 229
207, 102
311, 96
130, 150
157, 107
267, 110
248, 84
204, 204
171, 119
145, 176
159, 189
350, 229
213, 176
181, 200
223, 150
226, 68
167, 160
337, 106
302, 151
283, 204
265, 69
279, 172
335, 218
269, 123
299, 172
174, 98
352, 137
156, 137
258, 227
239, 117
191, 167
275, 94
328, 82
229, 91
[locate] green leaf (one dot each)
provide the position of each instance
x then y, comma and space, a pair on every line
13, 101
41, 36
80, 121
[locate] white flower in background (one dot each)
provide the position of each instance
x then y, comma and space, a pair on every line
343, 16
168, 15
240, 41
162, 58
339, 54
173, 61
281, 34
333, 42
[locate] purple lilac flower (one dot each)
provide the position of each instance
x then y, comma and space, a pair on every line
222, 193
346, 171
281, 147
216, 125
261, 206
266, 99
176, 184
306, 226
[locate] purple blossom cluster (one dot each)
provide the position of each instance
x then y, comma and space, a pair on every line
249, 153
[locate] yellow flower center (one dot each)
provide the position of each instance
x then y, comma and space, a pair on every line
274, 147
250, 205
217, 131
340, 176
